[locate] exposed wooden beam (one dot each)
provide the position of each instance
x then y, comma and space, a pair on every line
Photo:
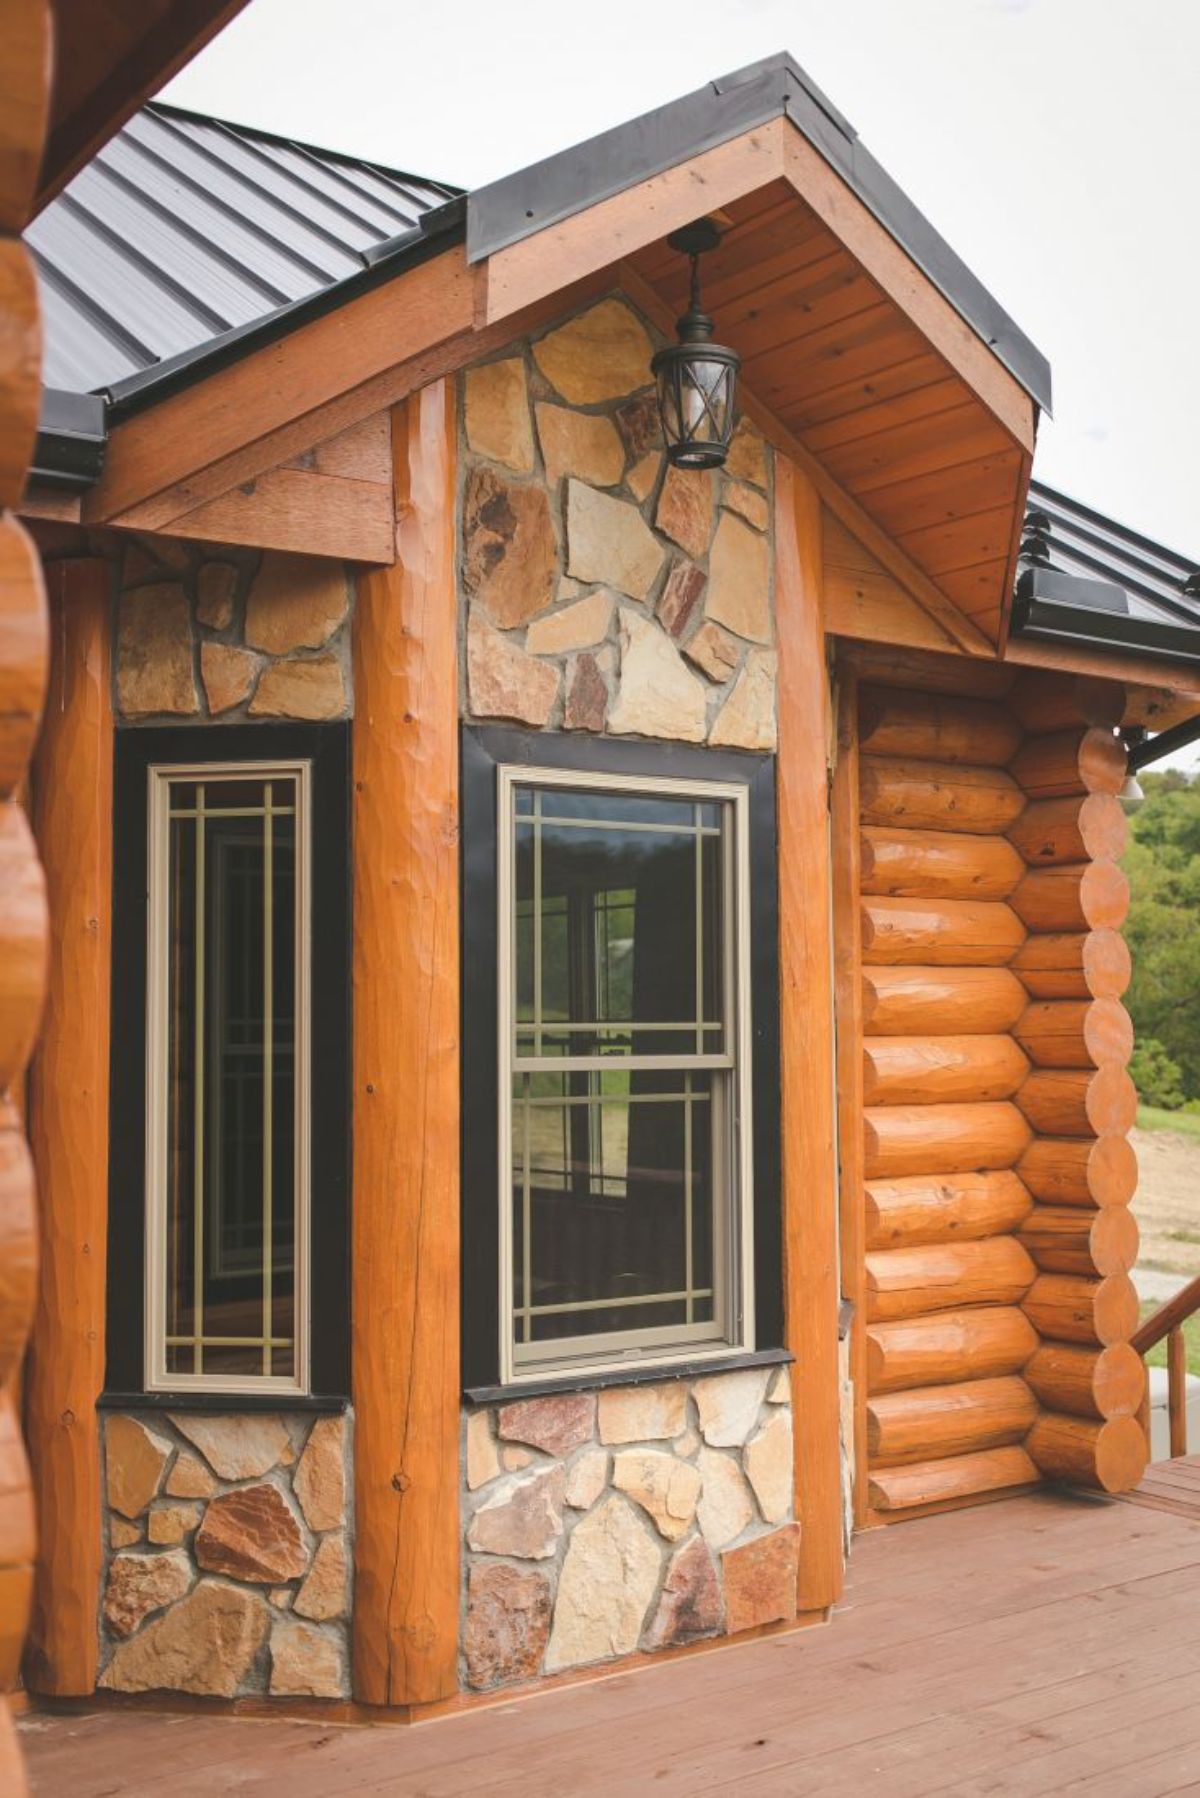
299, 509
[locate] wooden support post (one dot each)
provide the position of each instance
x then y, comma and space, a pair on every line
68, 1127
406, 1083
810, 1245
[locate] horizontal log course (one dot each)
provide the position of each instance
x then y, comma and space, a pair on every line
1070, 761
941, 932
1079, 965
958, 1419
958, 1477
936, 727
1108, 1456
1087, 1382
975, 1343
1080, 1171
938, 864
1076, 1033
1079, 1101
1068, 1240
1054, 831
1045, 700
942, 1276
1079, 896
1069, 1308
948, 1208
911, 1001
942, 1139
929, 1070
919, 795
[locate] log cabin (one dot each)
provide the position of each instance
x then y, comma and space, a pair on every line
433, 1302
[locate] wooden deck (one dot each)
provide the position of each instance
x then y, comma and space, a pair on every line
1172, 1486
1044, 1644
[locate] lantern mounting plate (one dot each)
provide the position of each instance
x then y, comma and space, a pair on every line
697, 238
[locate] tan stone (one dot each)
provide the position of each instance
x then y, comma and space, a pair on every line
586, 1479
751, 505
747, 719
216, 584
497, 413
251, 1534
168, 1524
605, 1587
580, 443
320, 1480
305, 1662
295, 602
579, 626
739, 580
134, 1459
714, 651
483, 1463
684, 510
323, 1594
238, 1447
643, 474
515, 1459
508, 1624
556, 1424
657, 695
728, 1404
189, 1478
140, 1584
522, 1518
779, 1392
608, 540
690, 1605
603, 353
681, 590
154, 654
205, 1644
122, 1534
747, 457
687, 1444
281, 1597
643, 1413
725, 1506
510, 552
314, 688
760, 1580
228, 675
667, 1489
770, 1468
504, 682
586, 703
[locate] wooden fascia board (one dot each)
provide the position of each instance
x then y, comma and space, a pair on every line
1014, 552
1125, 665
302, 510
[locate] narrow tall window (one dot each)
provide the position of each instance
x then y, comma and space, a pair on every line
227, 1073
625, 1148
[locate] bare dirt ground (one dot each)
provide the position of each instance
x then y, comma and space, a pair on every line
1167, 1205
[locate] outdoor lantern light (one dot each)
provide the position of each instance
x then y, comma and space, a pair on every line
696, 378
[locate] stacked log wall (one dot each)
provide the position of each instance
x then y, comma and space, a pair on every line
997, 1175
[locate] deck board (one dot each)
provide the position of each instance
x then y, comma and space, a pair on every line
1044, 1644
1172, 1486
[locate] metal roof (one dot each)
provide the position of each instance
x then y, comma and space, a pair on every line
184, 231
1084, 578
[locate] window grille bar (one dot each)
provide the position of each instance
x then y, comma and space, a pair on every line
198, 1099
624, 1302
268, 1065
621, 824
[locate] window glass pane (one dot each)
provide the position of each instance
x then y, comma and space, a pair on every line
619, 918
231, 1079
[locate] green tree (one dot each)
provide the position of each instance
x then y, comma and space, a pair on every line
1163, 929
1156, 1076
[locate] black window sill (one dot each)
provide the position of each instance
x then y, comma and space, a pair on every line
222, 1402
631, 1376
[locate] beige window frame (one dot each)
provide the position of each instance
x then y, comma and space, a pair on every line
732, 1327
162, 777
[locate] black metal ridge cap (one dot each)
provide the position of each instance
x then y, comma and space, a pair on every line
546, 192
1068, 608
71, 438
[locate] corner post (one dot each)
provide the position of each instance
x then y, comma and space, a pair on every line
406, 1082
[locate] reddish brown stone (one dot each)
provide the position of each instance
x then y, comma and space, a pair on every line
508, 1625
760, 1579
510, 556
680, 595
638, 423
690, 1605
522, 1517
587, 695
252, 1534
684, 510
556, 1424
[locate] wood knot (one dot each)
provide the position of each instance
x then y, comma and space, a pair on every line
401, 1481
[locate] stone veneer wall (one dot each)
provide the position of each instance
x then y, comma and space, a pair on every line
208, 632
227, 1565
640, 1517
602, 589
